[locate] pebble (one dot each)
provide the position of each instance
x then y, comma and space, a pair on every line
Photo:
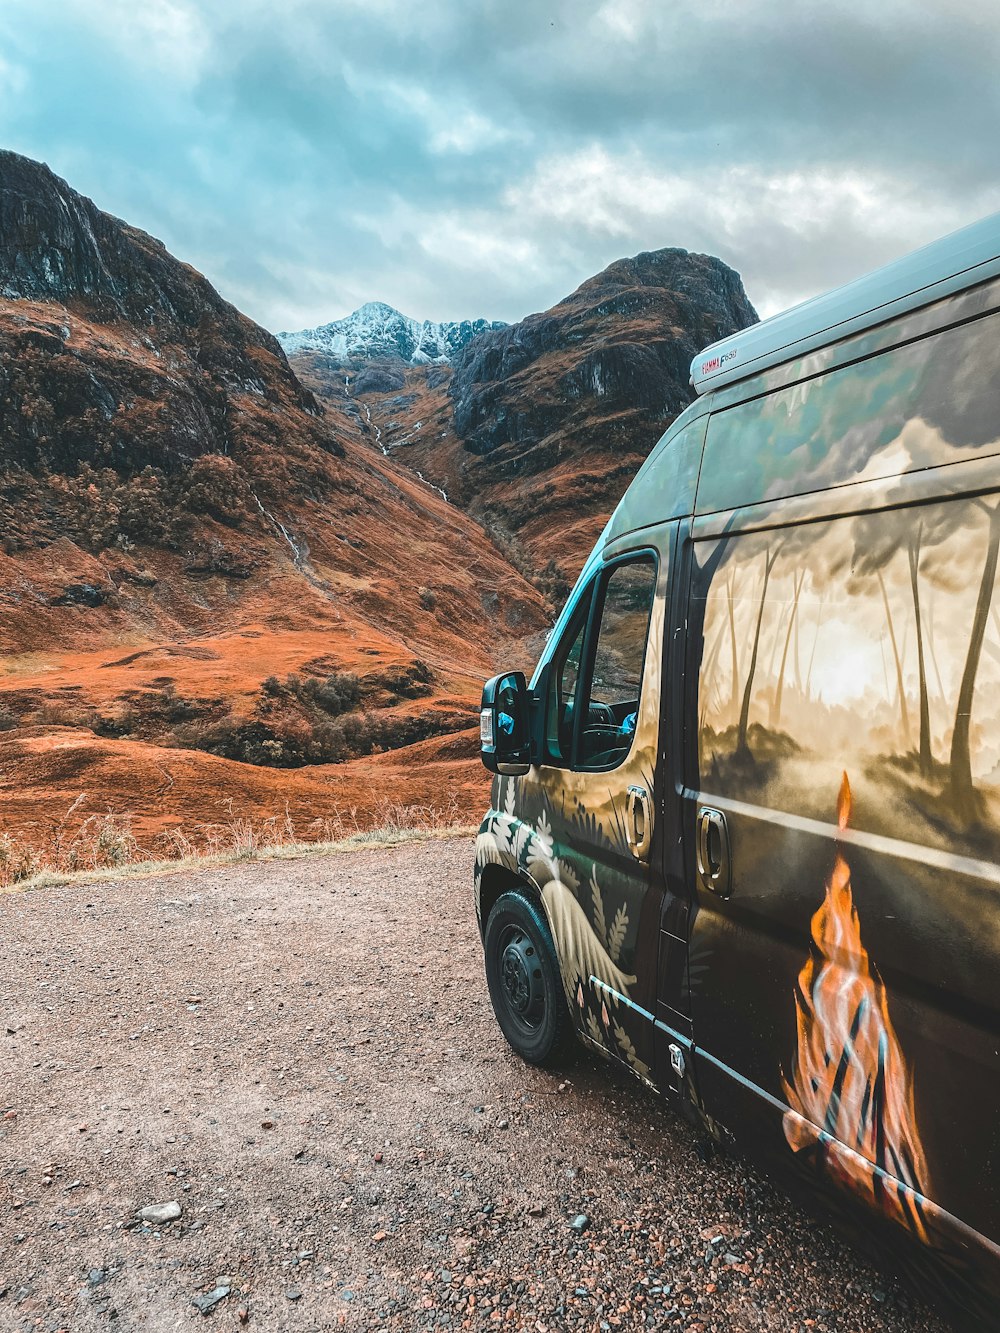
580, 1223
158, 1213
207, 1302
293, 1294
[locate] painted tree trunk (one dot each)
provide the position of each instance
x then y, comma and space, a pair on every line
792, 622
913, 553
960, 787
741, 741
904, 714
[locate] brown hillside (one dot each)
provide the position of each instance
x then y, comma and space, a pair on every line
195, 555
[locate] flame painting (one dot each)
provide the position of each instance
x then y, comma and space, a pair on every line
851, 1095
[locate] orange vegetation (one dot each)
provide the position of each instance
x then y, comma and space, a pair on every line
53, 781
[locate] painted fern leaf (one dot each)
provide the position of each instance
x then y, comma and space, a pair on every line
597, 897
616, 937
628, 1050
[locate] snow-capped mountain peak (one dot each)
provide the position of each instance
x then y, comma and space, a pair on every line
378, 332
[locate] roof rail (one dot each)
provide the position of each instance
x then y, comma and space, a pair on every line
945, 266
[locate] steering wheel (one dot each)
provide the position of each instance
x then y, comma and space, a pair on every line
600, 715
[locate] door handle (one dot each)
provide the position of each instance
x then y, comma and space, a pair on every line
638, 821
713, 853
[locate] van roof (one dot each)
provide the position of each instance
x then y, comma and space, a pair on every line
948, 265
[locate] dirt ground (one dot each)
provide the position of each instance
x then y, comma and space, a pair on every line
302, 1055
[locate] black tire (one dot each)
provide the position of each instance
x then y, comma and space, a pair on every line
523, 977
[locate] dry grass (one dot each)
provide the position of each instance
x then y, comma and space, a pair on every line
104, 846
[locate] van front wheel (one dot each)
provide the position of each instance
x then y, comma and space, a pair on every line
523, 978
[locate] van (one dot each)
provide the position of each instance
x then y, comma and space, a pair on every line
745, 826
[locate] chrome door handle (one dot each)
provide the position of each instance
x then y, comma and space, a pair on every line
639, 821
713, 856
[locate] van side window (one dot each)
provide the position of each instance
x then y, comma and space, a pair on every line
616, 678
925, 404
598, 668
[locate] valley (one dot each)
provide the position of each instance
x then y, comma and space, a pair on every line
235, 586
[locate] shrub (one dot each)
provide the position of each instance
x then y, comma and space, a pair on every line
175, 707
553, 584
216, 486
116, 725
409, 682
339, 693
17, 861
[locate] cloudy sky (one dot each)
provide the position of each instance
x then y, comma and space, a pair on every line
482, 157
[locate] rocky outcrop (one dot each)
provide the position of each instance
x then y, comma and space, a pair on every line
58, 246
622, 342
128, 386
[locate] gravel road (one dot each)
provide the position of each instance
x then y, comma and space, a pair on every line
302, 1055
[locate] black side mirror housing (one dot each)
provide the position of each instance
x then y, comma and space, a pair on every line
504, 728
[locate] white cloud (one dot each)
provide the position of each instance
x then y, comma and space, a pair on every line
448, 124
171, 36
13, 81
790, 234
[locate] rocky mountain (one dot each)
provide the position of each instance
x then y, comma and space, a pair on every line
377, 332
196, 555
538, 427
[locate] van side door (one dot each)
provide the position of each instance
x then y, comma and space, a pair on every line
592, 805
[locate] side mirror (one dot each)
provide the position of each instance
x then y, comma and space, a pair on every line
504, 733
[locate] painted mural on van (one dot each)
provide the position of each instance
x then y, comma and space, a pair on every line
848, 623
887, 617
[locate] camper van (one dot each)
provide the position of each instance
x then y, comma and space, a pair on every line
745, 826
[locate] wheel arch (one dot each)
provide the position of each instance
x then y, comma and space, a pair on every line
499, 879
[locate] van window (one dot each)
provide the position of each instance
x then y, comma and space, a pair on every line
922, 405
616, 677
665, 485
609, 684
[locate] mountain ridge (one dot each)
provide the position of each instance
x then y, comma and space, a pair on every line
537, 428
379, 332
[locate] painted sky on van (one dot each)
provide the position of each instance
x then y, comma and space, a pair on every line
482, 159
